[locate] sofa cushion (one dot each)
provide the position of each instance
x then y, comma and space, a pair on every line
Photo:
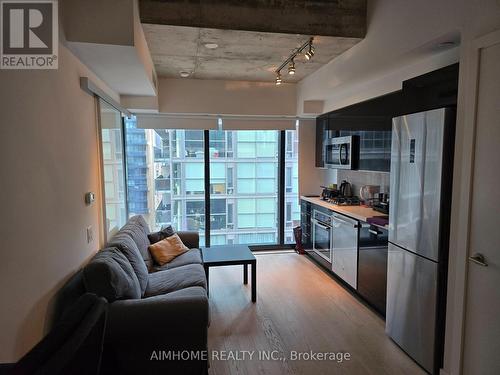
166, 250
124, 242
137, 228
110, 275
192, 256
175, 279
166, 232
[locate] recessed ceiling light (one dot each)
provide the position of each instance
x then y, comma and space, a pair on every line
211, 45
184, 73
447, 43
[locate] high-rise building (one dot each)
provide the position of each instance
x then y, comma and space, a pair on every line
168, 188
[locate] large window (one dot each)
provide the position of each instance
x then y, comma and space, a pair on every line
113, 167
243, 185
166, 174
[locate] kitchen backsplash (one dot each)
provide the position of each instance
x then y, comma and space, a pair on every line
360, 178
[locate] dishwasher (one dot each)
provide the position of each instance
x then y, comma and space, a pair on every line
345, 248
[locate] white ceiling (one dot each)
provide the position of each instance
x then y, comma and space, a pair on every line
241, 55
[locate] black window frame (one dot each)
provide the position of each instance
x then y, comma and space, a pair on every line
280, 245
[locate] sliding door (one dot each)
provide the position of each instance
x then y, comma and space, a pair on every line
113, 169
292, 205
243, 187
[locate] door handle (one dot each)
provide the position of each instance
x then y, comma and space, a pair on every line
478, 258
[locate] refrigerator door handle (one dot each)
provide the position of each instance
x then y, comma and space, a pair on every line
478, 258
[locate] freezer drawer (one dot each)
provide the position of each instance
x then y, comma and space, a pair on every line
411, 304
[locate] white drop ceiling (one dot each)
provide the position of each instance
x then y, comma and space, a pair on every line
241, 55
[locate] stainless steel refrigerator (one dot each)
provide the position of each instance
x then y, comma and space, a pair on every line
420, 200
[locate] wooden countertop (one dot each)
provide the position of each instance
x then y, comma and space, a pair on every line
361, 213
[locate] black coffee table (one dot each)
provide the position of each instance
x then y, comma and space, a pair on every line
230, 255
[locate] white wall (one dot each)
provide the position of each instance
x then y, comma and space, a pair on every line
226, 97
48, 160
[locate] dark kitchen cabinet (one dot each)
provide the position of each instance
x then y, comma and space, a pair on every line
374, 149
372, 119
322, 134
305, 224
372, 266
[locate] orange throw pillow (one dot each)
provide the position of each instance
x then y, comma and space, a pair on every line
167, 249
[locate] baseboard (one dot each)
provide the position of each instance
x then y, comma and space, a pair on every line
442, 372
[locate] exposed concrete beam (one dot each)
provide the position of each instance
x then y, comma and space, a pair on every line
340, 18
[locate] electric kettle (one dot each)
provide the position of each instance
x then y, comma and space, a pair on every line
345, 189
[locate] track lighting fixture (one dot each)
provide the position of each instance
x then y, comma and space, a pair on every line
290, 61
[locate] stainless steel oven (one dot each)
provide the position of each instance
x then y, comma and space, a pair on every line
342, 152
322, 235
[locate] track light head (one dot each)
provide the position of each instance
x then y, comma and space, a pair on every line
278, 79
310, 52
291, 67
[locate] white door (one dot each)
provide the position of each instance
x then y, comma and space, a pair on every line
482, 312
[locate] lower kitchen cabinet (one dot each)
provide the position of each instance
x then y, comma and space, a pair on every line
305, 224
358, 254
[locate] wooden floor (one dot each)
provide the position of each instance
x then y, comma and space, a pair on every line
299, 308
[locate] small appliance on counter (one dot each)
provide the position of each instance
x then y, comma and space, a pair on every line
329, 192
382, 203
367, 193
345, 189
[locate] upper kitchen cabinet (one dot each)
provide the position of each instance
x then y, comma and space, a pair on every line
322, 135
433, 90
371, 120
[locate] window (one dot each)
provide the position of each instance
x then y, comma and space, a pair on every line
166, 172
111, 128
254, 169
292, 206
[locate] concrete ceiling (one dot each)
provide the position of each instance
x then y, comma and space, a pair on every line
241, 55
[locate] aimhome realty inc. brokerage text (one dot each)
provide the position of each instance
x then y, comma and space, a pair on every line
242, 355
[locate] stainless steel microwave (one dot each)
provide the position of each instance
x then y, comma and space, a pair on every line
342, 152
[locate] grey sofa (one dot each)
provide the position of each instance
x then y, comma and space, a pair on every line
152, 310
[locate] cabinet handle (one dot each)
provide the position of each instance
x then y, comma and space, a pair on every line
344, 221
374, 232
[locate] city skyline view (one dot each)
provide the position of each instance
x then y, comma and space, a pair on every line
166, 182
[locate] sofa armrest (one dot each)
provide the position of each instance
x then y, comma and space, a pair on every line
141, 331
165, 316
190, 238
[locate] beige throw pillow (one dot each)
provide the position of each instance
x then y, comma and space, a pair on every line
167, 249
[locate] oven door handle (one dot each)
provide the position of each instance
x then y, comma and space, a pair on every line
316, 222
